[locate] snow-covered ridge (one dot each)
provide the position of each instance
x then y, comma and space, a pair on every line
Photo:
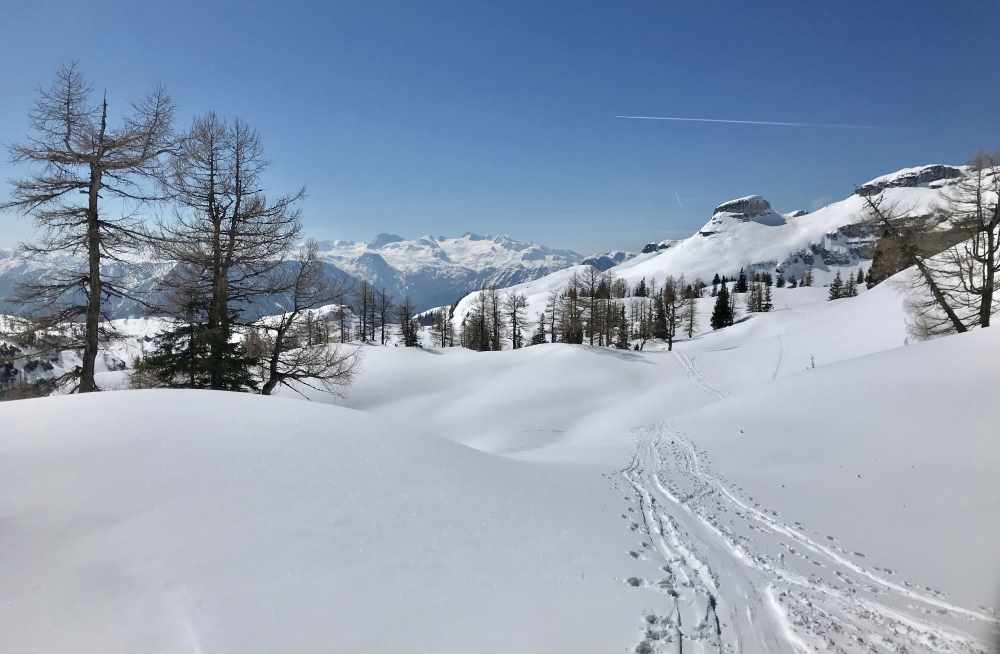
748, 233
930, 174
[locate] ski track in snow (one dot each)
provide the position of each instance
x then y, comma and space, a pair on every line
735, 577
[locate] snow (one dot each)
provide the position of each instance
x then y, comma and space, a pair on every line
457, 501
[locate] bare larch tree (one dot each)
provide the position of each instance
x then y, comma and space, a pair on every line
320, 366
77, 152
227, 227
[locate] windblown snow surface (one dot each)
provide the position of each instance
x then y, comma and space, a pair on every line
804, 481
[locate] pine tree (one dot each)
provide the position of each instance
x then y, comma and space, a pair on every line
780, 282
836, 288
622, 343
722, 314
179, 357
767, 303
539, 336
640, 288
741, 282
851, 290
861, 276
660, 321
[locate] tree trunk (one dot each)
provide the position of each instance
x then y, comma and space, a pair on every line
272, 373
939, 297
87, 383
986, 301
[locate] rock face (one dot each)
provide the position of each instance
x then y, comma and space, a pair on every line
911, 178
751, 205
752, 208
607, 260
660, 245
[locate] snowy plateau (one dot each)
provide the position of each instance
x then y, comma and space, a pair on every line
811, 479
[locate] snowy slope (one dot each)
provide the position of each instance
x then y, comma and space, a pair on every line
727, 244
182, 521
748, 233
779, 467
555, 498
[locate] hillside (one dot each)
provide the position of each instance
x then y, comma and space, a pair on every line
814, 505
747, 233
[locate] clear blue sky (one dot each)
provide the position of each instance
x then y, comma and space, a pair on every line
500, 116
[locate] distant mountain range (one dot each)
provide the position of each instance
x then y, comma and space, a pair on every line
431, 271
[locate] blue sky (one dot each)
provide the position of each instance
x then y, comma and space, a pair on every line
500, 117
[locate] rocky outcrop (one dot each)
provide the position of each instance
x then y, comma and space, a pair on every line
910, 177
607, 260
751, 205
657, 246
752, 208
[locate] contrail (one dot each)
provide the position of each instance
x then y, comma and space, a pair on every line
678, 196
770, 123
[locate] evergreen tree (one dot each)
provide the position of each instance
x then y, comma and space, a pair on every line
861, 276
660, 321
836, 288
539, 336
780, 281
851, 289
622, 343
640, 288
179, 357
741, 282
722, 314
767, 304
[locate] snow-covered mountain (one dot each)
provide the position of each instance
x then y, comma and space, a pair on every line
439, 270
748, 233
430, 270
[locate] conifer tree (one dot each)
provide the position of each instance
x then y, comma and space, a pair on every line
722, 314
836, 288
741, 282
539, 336
660, 321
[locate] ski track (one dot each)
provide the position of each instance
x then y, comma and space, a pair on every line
735, 577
